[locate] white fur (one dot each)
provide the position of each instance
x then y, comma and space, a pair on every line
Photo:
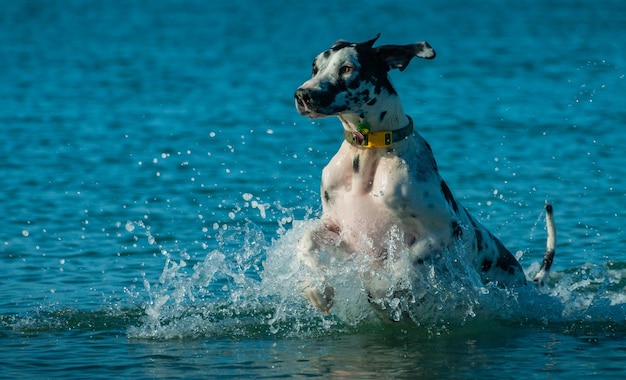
366, 193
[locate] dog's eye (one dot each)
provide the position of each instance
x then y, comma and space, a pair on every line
345, 70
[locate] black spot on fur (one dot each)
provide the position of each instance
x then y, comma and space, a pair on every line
324, 97
479, 240
457, 231
373, 70
356, 163
382, 114
449, 198
506, 261
486, 265
340, 45
326, 196
354, 85
371, 102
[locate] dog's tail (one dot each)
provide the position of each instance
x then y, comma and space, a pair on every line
548, 257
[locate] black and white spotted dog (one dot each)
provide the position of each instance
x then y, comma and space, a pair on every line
385, 177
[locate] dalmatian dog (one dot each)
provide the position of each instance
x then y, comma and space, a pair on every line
385, 177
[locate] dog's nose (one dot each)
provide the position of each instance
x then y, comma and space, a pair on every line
303, 96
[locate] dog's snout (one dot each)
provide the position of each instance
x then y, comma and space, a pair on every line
303, 96
304, 101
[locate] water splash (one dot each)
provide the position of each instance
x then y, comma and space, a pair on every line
252, 287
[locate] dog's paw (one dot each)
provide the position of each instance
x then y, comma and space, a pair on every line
322, 301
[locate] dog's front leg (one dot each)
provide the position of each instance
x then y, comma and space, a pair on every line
309, 250
322, 300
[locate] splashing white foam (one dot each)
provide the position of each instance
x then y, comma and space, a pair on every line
251, 287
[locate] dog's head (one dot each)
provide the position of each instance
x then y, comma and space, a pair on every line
349, 76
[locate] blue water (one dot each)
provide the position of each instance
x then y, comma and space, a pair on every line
155, 177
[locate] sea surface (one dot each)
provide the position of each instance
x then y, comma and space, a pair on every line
155, 178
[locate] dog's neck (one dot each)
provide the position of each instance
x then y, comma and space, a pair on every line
379, 125
386, 114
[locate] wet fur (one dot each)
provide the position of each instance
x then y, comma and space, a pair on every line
367, 192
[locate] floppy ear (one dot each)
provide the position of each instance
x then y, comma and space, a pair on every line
399, 56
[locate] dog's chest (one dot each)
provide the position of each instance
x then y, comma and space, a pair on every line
362, 191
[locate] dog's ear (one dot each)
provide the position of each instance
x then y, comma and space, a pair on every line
371, 42
340, 44
343, 43
399, 56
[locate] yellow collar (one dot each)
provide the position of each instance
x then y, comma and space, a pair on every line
363, 138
